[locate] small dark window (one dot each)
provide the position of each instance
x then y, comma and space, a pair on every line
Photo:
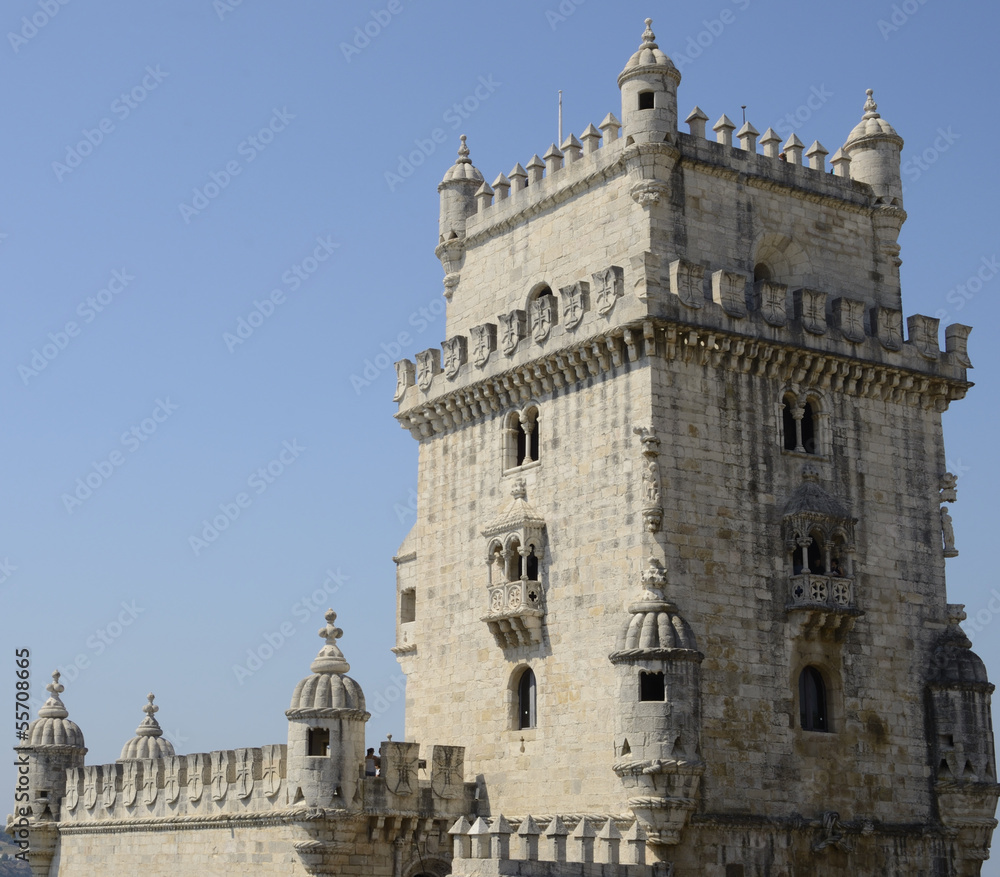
762, 272
651, 686
808, 429
408, 605
532, 564
522, 444
813, 715
816, 565
645, 100
526, 700
319, 741
735, 871
788, 425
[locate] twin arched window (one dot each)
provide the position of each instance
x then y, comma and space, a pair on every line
521, 442
799, 426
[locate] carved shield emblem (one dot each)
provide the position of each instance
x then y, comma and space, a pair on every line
195, 776
851, 317
771, 301
171, 779
130, 781
271, 769
574, 299
220, 778
72, 788
888, 327
109, 785
399, 767
90, 787
511, 330
428, 365
609, 286
542, 313
404, 378
484, 342
149, 781
454, 356
447, 768
244, 773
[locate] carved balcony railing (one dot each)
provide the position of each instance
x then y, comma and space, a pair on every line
822, 605
515, 613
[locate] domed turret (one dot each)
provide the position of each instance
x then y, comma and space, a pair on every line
326, 730
458, 195
874, 148
649, 93
148, 741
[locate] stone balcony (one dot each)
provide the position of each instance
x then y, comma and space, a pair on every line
515, 613
821, 606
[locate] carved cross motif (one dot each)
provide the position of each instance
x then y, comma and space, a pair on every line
541, 317
196, 777
810, 306
686, 282
171, 779
404, 378
130, 781
90, 787
428, 365
923, 332
771, 301
72, 789
109, 786
244, 773
148, 781
447, 768
454, 355
609, 286
574, 299
888, 327
511, 330
728, 290
484, 342
220, 782
271, 770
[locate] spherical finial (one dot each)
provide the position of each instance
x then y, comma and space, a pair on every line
648, 37
463, 152
330, 658
871, 108
149, 727
54, 687
149, 709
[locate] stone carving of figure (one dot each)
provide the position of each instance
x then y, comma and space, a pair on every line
652, 480
948, 532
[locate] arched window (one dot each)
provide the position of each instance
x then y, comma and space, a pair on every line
800, 424
526, 717
531, 565
817, 566
521, 438
790, 434
813, 712
808, 429
762, 272
515, 563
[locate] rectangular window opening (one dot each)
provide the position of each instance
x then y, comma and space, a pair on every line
652, 687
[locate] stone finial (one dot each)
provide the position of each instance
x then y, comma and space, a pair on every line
696, 120
553, 159
648, 37
871, 108
841, 163
817, 156
610, 127
724, 130
770, 142
53, 708
484, 197
748, 137
149, 727
519, 490
330, 658
810, 472
463, 152
572, 149
518, 178
591, 140
793, 149
501, 186
536, 168
654, 580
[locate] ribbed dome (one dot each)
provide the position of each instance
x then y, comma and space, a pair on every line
810, 497
463, 168
871, 125
53, 727
954, 662
656, 626
648, 55
323, 691
148, 741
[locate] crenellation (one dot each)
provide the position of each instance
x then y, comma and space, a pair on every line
792, 150
724, 130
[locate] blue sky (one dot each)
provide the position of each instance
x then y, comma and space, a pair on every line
170, 169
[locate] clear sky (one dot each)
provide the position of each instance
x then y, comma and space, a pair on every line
167, 166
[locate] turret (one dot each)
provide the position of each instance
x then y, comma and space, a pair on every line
53, 745
873, 149
326, 731
649, 93
148, 741
458, 195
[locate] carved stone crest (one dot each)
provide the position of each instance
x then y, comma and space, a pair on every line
956, 343
130, 782
73, 788
810, 308
512, 330
849, 315
447, 771
949, 487
90, 787
428, 365
149, 772
399, 766
484, 342
575, 300
923, 334
769, 299
109, 784
729, 291
195, 776
543, 314
686, 279
888, 327
405, 375
244, 773
271, 769
609, 286
220, 775
172, 779
455, 355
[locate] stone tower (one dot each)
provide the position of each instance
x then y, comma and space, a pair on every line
679, 555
